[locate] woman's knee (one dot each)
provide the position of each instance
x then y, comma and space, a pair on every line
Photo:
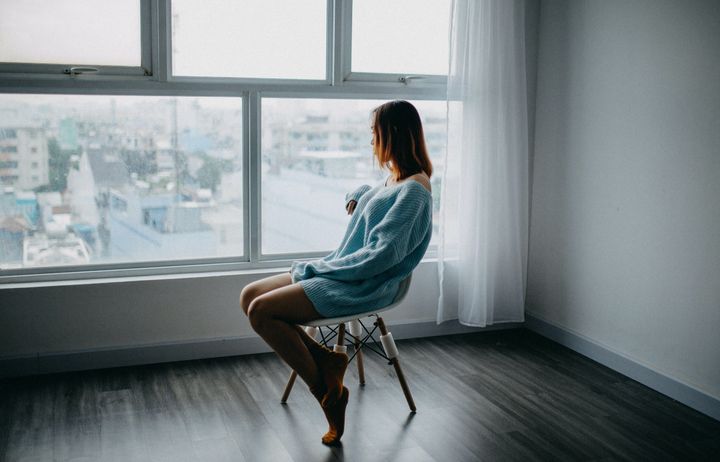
253, 290
247, 295
257, 313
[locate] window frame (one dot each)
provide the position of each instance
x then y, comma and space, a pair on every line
157, 80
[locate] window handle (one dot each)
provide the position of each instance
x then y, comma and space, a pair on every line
80, 70
407, 78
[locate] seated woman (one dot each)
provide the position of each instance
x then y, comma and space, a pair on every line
387, 236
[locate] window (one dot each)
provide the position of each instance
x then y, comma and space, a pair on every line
313, 152
251, 39
214, 135
145, 178
412, 34
71, 32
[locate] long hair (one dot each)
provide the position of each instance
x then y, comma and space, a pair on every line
399, 140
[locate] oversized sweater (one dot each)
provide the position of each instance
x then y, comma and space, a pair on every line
387, 236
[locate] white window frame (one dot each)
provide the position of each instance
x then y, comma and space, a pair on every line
155, 78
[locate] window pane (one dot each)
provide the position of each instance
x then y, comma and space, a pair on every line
400, 36
313, 152
249, 38
103, 32
108, 179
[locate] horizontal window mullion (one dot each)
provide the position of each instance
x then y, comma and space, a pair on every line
62, 70
292, 256
399, 79
147, 86
123, 266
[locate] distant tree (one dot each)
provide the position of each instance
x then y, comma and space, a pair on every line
140, 162
210, 174
58, 165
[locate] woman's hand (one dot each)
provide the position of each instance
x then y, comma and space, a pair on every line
350, 207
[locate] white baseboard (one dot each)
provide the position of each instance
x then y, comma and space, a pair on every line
99, 358
668, 386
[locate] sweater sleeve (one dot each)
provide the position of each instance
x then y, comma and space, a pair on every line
388, 243
357, 194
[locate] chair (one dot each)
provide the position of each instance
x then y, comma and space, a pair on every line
362, 338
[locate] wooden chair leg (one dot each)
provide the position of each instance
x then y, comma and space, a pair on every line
361, 367
340, 342
396, 364
288, 387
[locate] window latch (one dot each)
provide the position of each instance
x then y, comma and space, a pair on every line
80, 70
405, 79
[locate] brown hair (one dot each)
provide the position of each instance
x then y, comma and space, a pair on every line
399, 139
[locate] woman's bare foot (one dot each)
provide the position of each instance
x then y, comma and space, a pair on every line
335, 415
332, 367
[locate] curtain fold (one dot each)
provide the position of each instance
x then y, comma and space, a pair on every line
484, 211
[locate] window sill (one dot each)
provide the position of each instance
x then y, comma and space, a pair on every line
64, 279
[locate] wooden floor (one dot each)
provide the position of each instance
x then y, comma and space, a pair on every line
495, 396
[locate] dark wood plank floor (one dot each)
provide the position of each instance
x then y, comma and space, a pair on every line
495, 396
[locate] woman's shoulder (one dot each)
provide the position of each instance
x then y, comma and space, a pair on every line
419, 182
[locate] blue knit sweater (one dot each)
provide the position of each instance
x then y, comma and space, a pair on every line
387, 236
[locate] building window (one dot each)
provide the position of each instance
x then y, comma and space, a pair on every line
7, 133
227, 136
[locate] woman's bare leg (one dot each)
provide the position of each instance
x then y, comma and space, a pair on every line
332, 365
263, 286
275, 316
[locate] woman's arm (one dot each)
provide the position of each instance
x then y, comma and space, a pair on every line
355, 196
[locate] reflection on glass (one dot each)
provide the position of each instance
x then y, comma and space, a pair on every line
108, 179
400, 36
313, 152
249, 38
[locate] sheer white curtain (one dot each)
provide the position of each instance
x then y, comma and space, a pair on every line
483, 235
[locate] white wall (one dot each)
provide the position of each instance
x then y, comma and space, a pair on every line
97, 315
625, 228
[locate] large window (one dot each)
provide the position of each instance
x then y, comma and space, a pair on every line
205, 135
120, 179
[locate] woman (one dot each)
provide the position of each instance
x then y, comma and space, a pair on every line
386, 238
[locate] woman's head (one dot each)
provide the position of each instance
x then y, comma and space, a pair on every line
398, 139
